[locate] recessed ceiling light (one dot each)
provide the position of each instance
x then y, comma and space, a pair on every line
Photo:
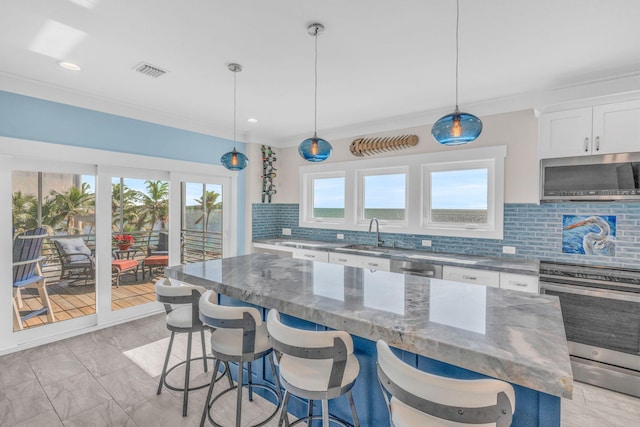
252, 120
69, 66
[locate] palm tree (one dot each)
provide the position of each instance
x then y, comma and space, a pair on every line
74, 202
23, 207
210, 205
128, 211
155, 205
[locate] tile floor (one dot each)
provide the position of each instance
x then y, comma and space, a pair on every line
110, 377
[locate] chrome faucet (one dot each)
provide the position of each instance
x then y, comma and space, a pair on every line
378, 241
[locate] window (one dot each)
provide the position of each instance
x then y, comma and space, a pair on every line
459, 196
327, 197
383, 195
447, 193
201, 231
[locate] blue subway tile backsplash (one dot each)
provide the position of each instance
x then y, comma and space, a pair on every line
535, 231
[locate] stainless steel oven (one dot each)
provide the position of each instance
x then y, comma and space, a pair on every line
601, 312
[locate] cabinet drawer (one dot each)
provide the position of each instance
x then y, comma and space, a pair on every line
311, 255
471, 275
345, 259
519, 282
372, 263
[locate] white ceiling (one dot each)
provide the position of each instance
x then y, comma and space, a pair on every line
379, 60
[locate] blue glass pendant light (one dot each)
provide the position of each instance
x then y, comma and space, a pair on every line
315, 149
457, 128
233, 160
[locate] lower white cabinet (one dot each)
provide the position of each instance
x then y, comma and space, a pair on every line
373, 263
311, 255
271, 249
519, 282
516, 282
471, 275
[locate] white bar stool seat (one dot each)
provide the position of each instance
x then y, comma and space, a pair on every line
181, 304
314, 365
420, 399
239, 336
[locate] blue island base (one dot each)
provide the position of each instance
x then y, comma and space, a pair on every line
532, 409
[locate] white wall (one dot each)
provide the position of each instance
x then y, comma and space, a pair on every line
517, 130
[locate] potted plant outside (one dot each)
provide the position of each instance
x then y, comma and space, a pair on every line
124, 241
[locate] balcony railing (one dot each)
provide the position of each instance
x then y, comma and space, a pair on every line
195, 246
200, 246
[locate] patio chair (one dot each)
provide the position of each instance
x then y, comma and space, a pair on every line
162, 248
76, 259
27, 255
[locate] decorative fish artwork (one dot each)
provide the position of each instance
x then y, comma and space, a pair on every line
589, 235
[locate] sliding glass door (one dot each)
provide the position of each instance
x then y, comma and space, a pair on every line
202, 222
54, 220
140, 238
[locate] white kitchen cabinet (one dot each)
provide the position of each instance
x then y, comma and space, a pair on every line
519, 282
617, 126
601, 129
516, 282
311, 255
471, 275
345, 259
373, 263
271, 249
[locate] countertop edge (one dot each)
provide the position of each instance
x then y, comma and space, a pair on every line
506, 265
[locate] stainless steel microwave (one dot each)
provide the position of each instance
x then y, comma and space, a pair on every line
605, 177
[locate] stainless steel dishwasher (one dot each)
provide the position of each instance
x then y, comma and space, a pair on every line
422, 269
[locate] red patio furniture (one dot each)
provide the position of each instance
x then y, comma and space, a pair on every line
154, 261
123, 266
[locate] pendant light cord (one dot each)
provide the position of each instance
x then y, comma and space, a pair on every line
235, 77
457, 46
315, 87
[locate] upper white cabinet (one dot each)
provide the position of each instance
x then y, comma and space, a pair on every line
602, 129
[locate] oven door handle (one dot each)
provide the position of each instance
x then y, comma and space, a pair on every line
590, 292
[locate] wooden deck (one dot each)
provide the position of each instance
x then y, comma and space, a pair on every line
71, 301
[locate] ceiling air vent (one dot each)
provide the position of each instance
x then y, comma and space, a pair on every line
150, 70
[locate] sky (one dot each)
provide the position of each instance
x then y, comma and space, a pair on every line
460, 189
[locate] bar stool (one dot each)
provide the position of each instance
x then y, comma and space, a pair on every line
239, 336
418, 398
314, 365
181, 304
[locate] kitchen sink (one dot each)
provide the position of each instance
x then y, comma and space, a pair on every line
370, 249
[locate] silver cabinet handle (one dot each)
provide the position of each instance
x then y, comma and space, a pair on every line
342, 260
372, 264
309, 256
586, 144
470, 277
522, 285
597, 143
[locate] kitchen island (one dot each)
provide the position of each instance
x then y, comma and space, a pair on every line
456, 329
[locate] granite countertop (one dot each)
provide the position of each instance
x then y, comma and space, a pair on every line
506, 265
514, 336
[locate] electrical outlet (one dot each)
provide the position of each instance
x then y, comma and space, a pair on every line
508, 249
286, 232
340, 236
426, 243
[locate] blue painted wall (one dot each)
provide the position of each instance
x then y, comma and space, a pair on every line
35, 119
535, 231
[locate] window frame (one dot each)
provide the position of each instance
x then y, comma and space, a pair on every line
308, 194
361, 174
428, 168
416, 199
